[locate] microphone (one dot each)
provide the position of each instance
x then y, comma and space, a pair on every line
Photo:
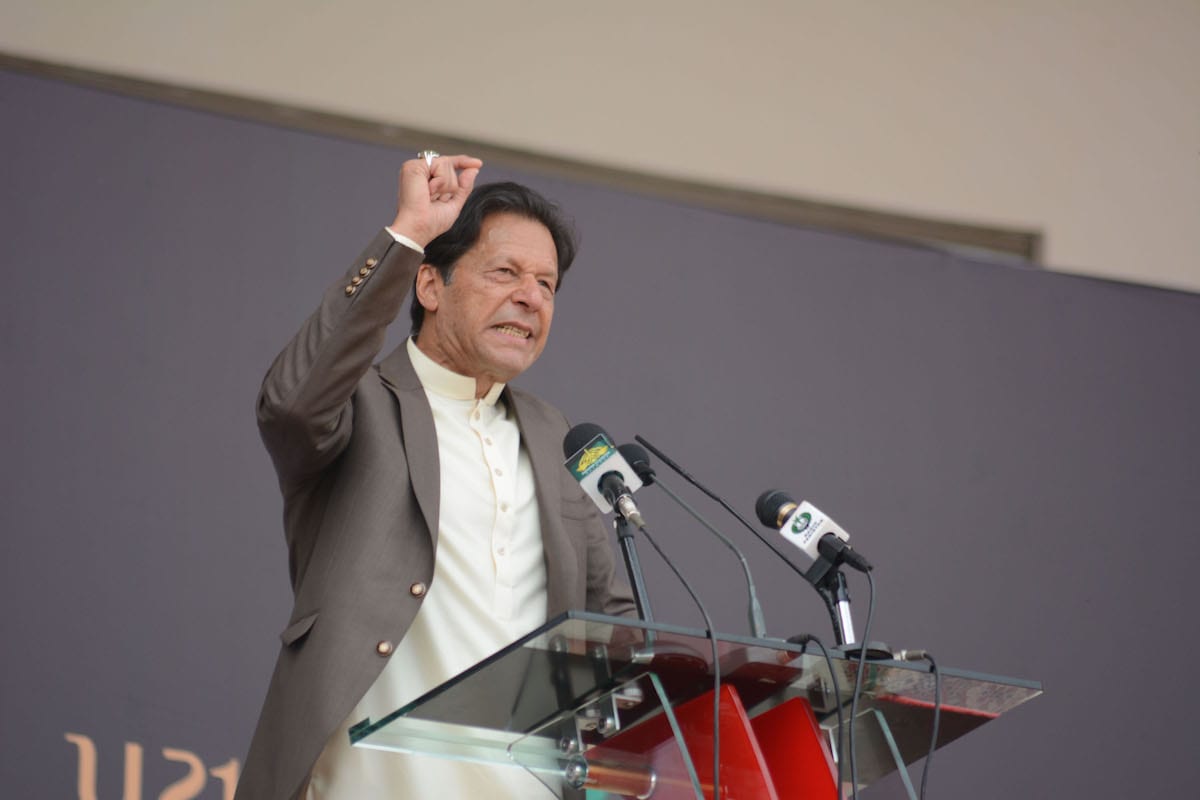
602, 472
808, 528
639, 459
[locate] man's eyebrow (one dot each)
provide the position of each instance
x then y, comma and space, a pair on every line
536, 271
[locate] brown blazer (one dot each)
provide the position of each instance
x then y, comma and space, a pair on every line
356, 453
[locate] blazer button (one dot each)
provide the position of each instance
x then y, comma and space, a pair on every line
350, 290
384, 648
371, 262
417, 589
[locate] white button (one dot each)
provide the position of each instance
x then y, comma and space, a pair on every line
504, 506
488, 441
500, 550
499, 471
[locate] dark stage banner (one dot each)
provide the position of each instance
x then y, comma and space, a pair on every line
1014, 450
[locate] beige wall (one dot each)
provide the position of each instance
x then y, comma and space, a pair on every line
1080, 118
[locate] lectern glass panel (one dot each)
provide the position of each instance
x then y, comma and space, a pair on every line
589, 699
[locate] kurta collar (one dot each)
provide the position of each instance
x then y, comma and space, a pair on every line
447, 383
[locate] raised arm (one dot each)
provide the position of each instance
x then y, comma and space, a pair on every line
304, 410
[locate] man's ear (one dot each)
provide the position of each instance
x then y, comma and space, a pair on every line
429, 287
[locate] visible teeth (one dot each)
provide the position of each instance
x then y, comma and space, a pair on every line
511, 331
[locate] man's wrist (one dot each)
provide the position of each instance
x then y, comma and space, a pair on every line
404, 240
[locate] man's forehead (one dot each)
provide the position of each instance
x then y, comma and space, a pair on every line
501, 229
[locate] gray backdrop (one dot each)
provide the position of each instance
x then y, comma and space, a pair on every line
1015, 450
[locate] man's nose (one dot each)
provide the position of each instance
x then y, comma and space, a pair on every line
530, 293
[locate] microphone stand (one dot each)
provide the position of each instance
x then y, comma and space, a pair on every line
636, 580
830, 583
634, 567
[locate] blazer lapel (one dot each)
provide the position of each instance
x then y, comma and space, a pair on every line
540, 442
419, 434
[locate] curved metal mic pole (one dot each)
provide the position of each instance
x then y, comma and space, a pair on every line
758, 625
816, 575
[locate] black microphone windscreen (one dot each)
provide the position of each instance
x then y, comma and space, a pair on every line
639, 459
769, 504
578, 437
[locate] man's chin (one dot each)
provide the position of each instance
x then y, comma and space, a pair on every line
504, 369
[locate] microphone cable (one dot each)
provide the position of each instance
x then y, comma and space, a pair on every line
712, 638
803, 639
858, 680
925, 655
802, 573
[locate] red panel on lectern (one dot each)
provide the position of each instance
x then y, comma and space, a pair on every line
744, 772
797, 752
783, 757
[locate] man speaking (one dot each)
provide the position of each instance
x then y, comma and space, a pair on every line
429, 519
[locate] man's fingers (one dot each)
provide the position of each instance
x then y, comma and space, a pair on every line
453, 178
443, 169
450, 165
444, 183
464, 162
466, 178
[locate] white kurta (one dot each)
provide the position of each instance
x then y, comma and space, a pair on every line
488, 588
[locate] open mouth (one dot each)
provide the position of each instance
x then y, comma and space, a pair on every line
511, 330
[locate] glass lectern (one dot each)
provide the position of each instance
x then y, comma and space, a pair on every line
626, 707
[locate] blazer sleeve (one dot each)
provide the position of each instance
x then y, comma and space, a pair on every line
304, 411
